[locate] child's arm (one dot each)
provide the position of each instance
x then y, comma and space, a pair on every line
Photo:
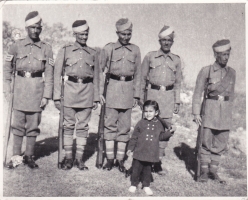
165, 124
132, 142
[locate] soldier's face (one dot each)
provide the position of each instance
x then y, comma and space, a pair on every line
166, 43
150, 112
222, 57
82, 37
124, 36
34, 31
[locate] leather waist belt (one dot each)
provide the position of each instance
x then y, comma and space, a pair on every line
219, 98
80, 80
161, 87
121, 78
29, 74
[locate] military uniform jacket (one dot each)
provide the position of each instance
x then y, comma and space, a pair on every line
31, 57
81, 62
218, 114
145, 140
126, 61
162, 70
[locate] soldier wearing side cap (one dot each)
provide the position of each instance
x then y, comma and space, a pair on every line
162, 70
220, 80
123, 91
33, 59
80, 92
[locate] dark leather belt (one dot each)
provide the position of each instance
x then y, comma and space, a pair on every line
161, 87
29, 74
80, 80
219, 98
121, 78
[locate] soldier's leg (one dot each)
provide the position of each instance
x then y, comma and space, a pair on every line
110, 129
124, 124
205, 153
162, 145
18, 130
32, 131
83, 116
219, 145
69, 125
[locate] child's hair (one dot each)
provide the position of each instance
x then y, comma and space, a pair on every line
152, 103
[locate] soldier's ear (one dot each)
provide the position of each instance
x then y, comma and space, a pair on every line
215, 55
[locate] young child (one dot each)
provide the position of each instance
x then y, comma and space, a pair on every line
144, 144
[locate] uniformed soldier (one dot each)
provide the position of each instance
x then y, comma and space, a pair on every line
81, 93
123, 90
220, 81
33, 58
161, 73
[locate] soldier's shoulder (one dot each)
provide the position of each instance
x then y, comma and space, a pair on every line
175, 56
92, 50
18, 41
47, 44
232, 70
67, 45
109, 45
134, 46
151, 53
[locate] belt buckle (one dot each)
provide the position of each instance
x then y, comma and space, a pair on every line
220, 98
80, 80
27, 74
162, 88
122, 78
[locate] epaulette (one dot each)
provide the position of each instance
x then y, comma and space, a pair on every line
91, 48
67, 45
46, 43
175, 55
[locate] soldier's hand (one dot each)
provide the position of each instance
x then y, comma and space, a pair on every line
135, 102
95, 105
173, 129
176, 108
197, 119
102, 99
57, 104
7, 96
129, 153
43, 103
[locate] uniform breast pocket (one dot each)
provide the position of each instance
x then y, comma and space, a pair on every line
21, 61
172, 70
89, 64
116, 58
71, 62
131, 60
39, 62
214, 80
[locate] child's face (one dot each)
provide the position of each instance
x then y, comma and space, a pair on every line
150, 112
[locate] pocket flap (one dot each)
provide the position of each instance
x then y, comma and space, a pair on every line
214, 80
116, 58
131, 58
21, 56
155, 63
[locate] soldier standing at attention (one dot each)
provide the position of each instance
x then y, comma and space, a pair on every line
219, 80
123, 90
161, 73
32, 58
80, 93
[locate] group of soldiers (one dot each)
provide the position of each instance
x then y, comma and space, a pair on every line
38, 79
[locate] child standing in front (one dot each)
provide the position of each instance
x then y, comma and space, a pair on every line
144, 144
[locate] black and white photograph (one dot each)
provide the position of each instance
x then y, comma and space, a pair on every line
124, 99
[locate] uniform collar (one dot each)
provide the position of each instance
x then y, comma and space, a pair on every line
218, 67
77, 46
28, 41
118, 45
161, 53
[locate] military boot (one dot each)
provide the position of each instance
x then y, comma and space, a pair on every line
29, 160
80, 164
213, 172
67, 164
109, 164
9, 165
120, 165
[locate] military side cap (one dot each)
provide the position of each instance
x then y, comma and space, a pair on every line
32, 18
123, 24
221, 45
80, 26
166, 31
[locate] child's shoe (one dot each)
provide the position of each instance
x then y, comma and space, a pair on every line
148, 191
132, 189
